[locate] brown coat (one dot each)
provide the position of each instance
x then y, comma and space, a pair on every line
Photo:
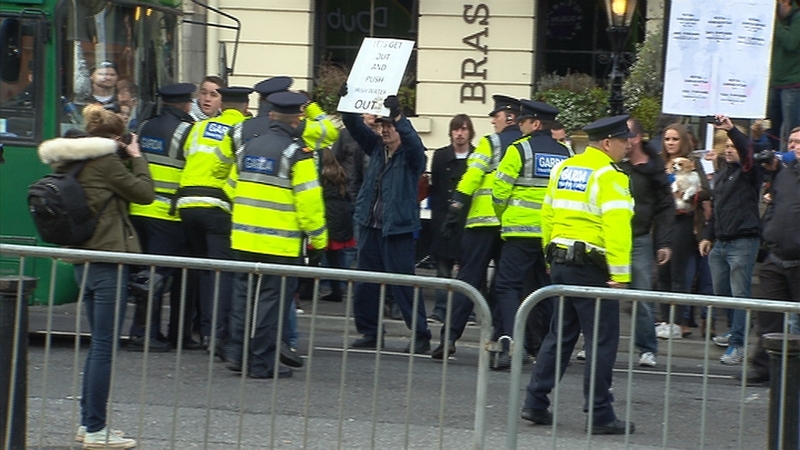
104, 176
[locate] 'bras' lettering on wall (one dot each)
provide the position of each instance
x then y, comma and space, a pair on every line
472, 68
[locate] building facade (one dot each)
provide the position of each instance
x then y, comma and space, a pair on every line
466, 50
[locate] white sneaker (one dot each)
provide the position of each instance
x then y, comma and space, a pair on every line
648, 359
722, 341
732, 356
103, 439
581, 355
81, 433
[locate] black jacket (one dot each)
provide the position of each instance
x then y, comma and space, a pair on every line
352, 160
156, 134
783, 215
654, 207
338, 211
446, 171
736, 195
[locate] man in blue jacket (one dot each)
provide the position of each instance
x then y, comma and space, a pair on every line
388, 214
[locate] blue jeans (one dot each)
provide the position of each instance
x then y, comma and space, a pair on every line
104, 299
697, 266
783, 109
732, 265
642, 263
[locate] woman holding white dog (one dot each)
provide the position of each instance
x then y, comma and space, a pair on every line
690, 188
731, 237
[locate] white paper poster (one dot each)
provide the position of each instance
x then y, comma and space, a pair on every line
718, 58
376, 74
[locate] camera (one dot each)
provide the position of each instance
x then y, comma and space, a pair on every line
764, 156
126, 138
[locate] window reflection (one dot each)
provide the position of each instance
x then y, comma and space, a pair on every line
118, 57
18, 97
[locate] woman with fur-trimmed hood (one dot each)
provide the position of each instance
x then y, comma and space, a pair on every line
106, 177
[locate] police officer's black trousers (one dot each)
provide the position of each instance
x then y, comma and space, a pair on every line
264, 302
208, 234
522, 260
479, 246
579, 316
162, 237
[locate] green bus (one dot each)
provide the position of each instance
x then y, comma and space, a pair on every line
55, 57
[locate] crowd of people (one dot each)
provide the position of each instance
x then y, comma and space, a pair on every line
206, 178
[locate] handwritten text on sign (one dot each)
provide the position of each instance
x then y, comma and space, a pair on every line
376, 74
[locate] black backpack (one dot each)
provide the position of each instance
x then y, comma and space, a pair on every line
59, 209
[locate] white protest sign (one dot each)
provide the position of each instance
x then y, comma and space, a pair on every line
376, 74
718, 57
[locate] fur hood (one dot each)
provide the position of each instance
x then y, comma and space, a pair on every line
66, 149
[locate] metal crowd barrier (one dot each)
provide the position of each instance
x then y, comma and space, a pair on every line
187, 399
780, 433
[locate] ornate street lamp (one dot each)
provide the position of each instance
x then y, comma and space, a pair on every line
620, 13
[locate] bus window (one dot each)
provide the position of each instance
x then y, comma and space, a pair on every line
17, 90
110, 59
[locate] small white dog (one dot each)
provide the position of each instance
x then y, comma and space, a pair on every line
686, 184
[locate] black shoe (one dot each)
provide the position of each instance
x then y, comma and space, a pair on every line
503, 362
290, 357
136, 344
438, 352
421, 346
434, 317
331, 298
369, 342
283, 372
218, 349
188, 344
537, 416
235, 367
614, 427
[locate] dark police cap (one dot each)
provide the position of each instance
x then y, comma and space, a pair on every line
272, 85
236, 94
177, 93
504, 103
537, 110
609, 127
287, 102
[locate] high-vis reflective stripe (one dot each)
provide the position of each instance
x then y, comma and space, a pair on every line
574, 205
306, 186
527, 164
321, 139
617, 204
619, 270
267, 231
524, 203
317, 232
507, 178
264, 204
478, 156
236, 137
497, 152
165, 185
483, 192
485, 220
527, 229
165, 161
286, 156
203, 202
265, 179
570, 242
531, 182
175, 148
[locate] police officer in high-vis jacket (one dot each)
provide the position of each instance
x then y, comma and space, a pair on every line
518, 191
277, 203
205, 205
161, 140
473, 198
586, 231
316, 129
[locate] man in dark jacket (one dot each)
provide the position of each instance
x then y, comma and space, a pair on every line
654, 209
449, 163
734, 230
779, 275
388, 214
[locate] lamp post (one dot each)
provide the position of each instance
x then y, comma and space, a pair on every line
620, 13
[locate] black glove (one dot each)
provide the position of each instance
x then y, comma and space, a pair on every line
393, 103
314, 256
459, 205
343, 89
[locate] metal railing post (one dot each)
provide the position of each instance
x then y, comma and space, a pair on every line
14, 294
784, 356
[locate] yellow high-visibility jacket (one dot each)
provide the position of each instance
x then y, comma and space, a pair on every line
589, 199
